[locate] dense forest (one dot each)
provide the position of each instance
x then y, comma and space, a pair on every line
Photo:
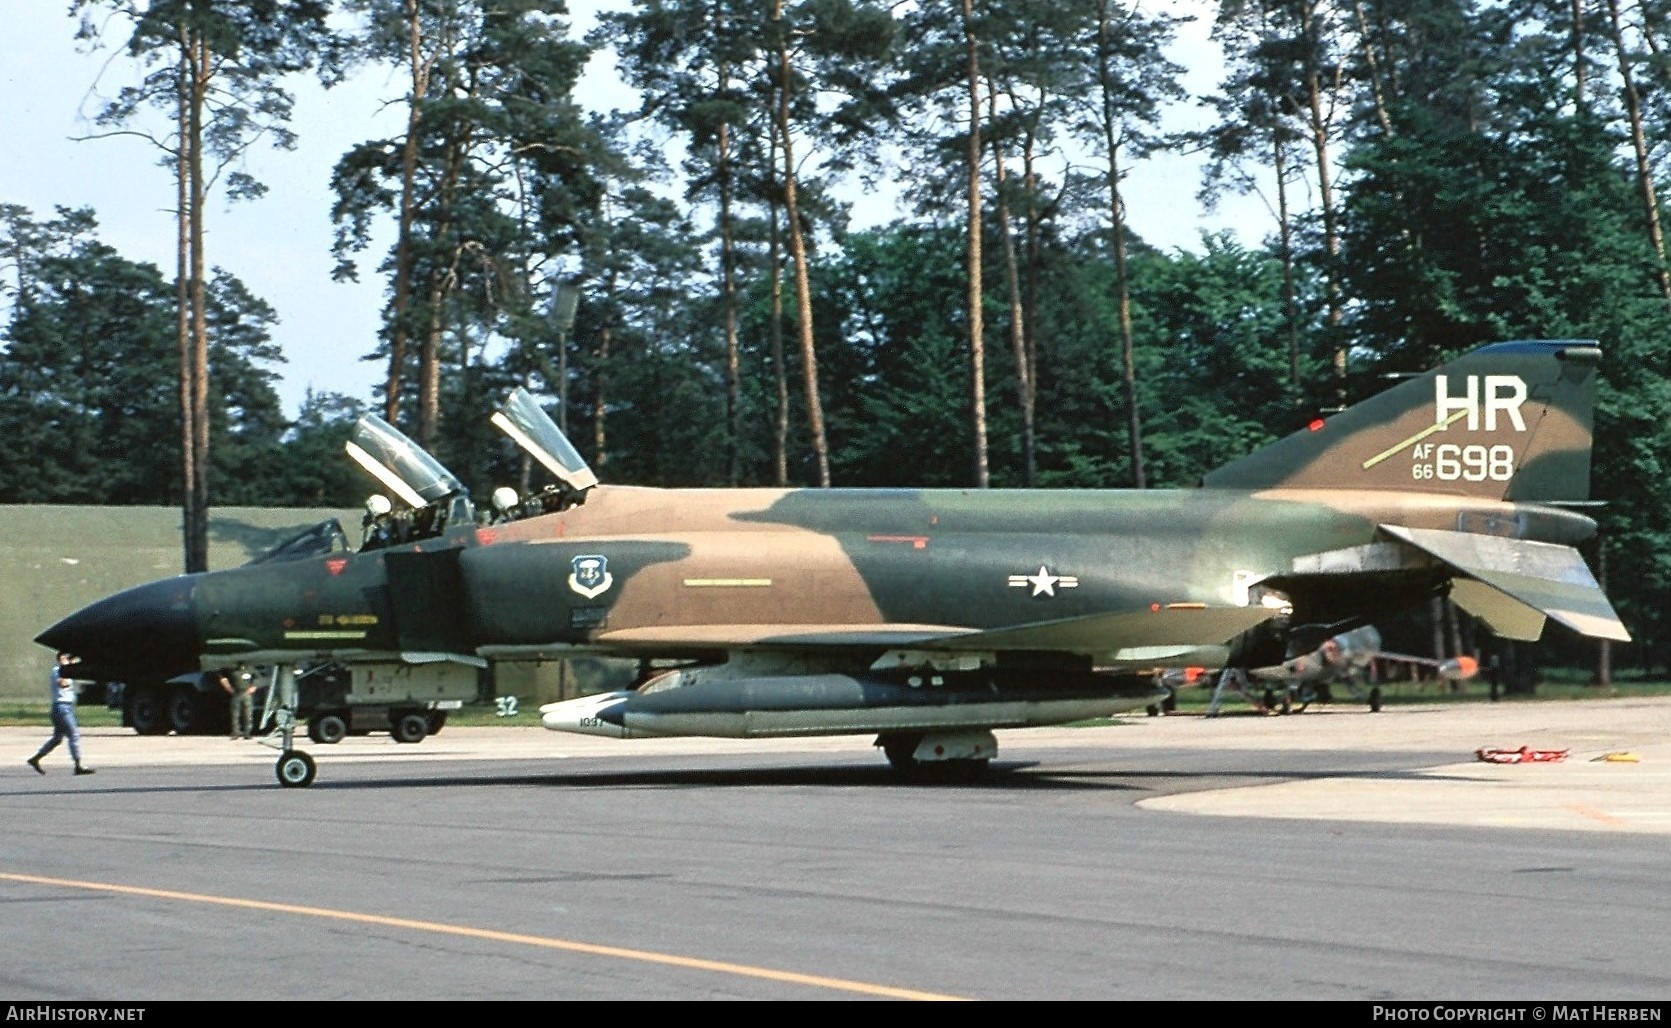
680, 284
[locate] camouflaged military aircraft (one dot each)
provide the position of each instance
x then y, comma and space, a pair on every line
929, 618
1348, 660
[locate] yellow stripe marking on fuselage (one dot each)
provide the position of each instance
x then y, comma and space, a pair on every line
732, 583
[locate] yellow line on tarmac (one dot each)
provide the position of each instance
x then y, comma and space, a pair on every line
1595, 815
647, 956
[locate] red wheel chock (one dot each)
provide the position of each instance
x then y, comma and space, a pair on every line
1524, 755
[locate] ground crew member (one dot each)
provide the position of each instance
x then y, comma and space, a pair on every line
240, 688
63, 691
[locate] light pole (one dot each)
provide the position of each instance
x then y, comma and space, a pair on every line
564, 300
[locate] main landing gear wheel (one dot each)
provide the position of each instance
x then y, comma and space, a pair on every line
1375, 700
901, 751
952, 772
295, 770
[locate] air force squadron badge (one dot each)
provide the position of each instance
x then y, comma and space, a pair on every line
591, 577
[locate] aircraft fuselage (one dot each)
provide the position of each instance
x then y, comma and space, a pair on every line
634, 562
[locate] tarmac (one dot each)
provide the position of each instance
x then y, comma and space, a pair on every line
1607, 766
1607, 763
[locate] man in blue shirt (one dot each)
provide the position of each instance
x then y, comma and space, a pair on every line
63, 689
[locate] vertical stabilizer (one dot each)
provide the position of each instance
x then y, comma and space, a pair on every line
1509, 421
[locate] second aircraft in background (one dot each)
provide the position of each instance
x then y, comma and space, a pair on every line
1353, 660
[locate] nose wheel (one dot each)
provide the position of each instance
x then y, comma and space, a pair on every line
295, 770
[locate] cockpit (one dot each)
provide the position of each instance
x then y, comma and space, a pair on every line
530, 427
435, 500
318, 540
434, 497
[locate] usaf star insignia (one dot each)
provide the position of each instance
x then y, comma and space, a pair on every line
1044, 583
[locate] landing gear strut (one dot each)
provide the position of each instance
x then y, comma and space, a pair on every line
950, 756
295, 768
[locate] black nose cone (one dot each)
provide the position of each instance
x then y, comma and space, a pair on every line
148, 630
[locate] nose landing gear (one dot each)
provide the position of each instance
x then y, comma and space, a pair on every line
295, 768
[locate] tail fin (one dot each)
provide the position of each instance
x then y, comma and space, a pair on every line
1509, 421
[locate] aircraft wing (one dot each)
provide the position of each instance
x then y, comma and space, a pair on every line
1310, 668
1513, 584
1141, 638
1458, 668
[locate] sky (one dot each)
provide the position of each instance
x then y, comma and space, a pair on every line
280, 244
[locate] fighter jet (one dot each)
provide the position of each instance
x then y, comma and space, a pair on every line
930, 618
1348, 660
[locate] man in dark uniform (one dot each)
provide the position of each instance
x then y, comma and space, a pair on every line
240, 689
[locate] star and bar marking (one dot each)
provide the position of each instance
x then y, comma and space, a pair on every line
1044, 583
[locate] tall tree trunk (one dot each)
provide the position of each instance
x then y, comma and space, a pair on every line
1652, 29
600, 375
429, 368
1644, 171
977, 345
1018, 320
401, 301
1382, 81
1319, 121
199, 543
780, 373
728, 291
1117, 222
442, 285
600, 379
1285, 243
1128, 362
1035, 244
1372, 61
797, 251
182, 316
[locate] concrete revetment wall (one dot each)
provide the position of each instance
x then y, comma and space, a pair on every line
56, 559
